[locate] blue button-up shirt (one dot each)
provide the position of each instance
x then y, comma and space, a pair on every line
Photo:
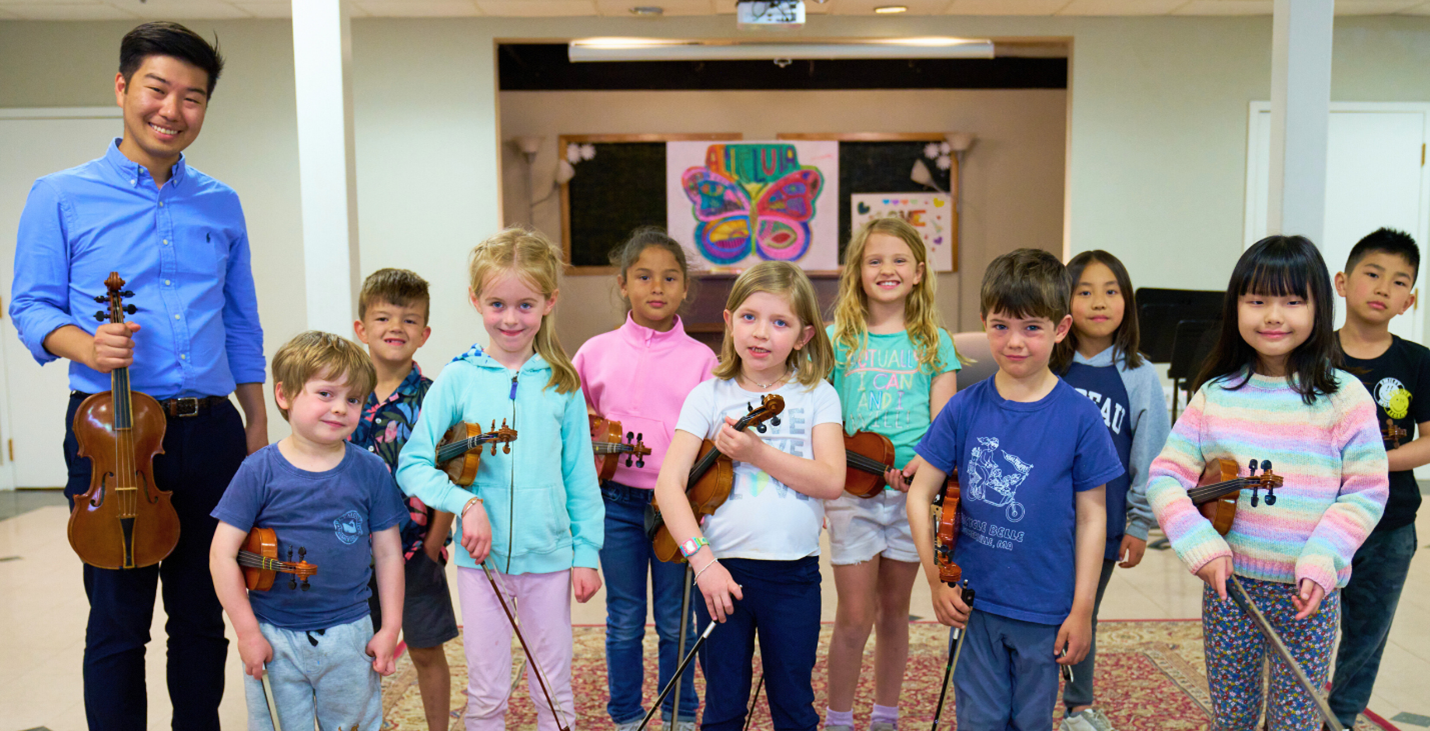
182, 249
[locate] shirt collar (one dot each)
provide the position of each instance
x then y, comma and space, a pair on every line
135, 174
642, 335
413, 380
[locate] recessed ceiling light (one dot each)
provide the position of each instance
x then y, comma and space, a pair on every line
891, 9
648, 11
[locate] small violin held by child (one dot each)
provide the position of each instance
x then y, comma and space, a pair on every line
1219, 490
606, 443
1393, 434
707, 489
259, 559
869, 456
460, 451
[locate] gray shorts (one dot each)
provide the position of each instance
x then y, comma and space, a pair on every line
428, 619
323, 674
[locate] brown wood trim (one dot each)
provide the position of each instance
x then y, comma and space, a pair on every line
563, 140
865, 136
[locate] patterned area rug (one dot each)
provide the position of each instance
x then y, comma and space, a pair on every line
1150, 675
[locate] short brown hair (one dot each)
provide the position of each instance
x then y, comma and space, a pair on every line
398, 287
1025, 283
315, 354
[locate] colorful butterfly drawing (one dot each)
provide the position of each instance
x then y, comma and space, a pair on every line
776, 226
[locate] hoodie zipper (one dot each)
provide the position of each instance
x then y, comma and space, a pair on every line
511, 503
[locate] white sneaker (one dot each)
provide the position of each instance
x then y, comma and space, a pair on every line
632, 726
1089, 719
837, 727
685, 726
883, 726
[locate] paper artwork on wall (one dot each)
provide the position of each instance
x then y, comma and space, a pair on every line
931, 214
735, 204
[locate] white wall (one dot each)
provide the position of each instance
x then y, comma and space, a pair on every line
1155, 165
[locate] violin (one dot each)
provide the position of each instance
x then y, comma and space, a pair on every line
259, 558
123, 521
945, 538
606, 443
711, 478
1219, 490
460, 451
867, 457
1392, 434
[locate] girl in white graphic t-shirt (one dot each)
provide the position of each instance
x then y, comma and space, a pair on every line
756, 559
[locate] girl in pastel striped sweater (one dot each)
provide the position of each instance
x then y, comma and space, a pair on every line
1270, 391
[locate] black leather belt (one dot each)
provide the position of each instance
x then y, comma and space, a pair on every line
178, 408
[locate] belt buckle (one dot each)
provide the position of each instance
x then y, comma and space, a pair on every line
186, 407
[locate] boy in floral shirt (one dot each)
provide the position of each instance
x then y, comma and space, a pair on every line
392, 312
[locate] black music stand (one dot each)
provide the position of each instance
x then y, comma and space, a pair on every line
1159, 311
1191, 344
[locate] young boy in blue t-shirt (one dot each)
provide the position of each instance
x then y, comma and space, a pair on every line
332, 504
1033, 459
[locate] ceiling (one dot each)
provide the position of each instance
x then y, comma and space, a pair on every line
228, 9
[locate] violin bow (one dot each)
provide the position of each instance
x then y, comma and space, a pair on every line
679, 670
556, 713
1243, 600
756, 700
955, 647
268, 696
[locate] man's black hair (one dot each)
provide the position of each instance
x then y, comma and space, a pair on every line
1388, 241
165, 38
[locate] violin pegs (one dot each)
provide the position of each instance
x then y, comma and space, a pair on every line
293, 585
506, 448
629, 461
760, 428
775, 420
305, 583
494, 448
101, 299
101, 316
1265, 465
302, 553
130, 309
1252, 466
126, 293
640, 462
640, 438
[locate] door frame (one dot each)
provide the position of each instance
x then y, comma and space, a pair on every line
7, 468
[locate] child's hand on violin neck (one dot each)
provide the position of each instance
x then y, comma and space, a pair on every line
741, 446
1307, 599
901, 479
719, 589
1215, 572
254, 651
948, 605
1074, 639
477, 533
382, 648
586, 582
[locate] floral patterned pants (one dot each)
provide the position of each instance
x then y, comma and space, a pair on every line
1236, 652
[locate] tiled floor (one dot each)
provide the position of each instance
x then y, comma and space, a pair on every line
43, 610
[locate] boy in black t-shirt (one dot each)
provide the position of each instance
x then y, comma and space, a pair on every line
1378, 284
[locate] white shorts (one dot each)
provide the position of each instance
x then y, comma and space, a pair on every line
862, 528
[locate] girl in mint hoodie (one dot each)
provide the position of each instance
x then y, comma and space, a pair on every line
533, 517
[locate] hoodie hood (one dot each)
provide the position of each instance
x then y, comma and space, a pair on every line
479, 358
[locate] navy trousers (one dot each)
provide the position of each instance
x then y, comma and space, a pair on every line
201, 455
781, 603
1368, 604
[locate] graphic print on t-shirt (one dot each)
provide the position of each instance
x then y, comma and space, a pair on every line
780, 436
990, 482
1390, 393
348, 527
883, 376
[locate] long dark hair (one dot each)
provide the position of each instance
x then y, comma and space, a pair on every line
1126, 338
1279, 266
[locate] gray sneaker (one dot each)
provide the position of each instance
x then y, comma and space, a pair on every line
883, 726
837, 727
1089, 719
632, 726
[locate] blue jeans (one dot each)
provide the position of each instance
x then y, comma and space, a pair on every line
624, 558
1006, 677
1367, 608
782, 604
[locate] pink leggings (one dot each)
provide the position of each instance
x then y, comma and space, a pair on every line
542, 603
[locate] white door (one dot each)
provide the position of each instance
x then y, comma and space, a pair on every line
1375, 176
33, 143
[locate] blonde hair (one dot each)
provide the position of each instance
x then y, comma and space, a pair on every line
811, 363
533, 257
851, 309
315, 354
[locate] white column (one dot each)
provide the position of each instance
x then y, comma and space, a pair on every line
1300, 116
322, 60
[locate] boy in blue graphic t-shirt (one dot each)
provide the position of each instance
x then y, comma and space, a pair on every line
332, 504
1033, 459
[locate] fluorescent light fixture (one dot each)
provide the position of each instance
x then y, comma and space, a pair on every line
648, 11
662, 49
891, 9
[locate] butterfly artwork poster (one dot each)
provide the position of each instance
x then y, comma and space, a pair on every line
735, 204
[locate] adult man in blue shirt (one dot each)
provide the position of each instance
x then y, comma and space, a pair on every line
178, 237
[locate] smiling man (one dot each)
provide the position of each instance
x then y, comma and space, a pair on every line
178, 237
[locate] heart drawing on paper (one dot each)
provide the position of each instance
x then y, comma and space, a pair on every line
863, 208
938, 202
938, 240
